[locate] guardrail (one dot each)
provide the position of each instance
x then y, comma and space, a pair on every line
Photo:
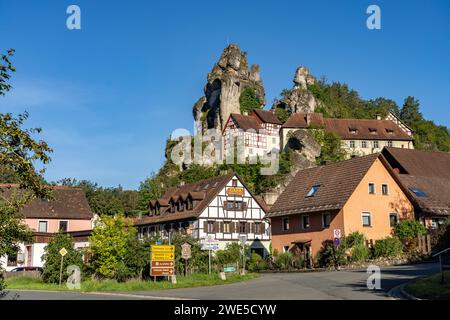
439, 254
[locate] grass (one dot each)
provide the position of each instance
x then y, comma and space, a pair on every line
196, 280
430, 287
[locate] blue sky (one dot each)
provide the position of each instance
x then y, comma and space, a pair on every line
107, 96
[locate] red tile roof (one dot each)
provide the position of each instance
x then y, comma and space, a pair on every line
266, 116
245, 122
299, 120
336, 184
68, 203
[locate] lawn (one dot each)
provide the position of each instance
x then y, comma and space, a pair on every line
430, 287
196, 280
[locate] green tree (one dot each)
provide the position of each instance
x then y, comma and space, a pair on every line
109, 245
408, 230
410, 112
52, 258
19, 153
249, 101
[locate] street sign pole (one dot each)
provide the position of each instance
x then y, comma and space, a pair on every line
209, 261
60, 270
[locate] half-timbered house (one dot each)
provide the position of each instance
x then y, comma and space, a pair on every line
221, 207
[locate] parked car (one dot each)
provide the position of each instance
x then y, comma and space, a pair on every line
22, 269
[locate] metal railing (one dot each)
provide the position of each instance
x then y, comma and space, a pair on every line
439, 254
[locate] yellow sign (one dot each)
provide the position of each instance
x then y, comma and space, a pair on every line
235, 191
63, 252
163, 253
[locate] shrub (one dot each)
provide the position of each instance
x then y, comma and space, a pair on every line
331, 255
407, 230
256, 263
355, 243
52, 258
359, 253
388, 247
249, 101
299, 261
284, 260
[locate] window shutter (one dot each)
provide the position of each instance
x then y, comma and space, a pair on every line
221, 227
205, 226
247, 227
253, 227
216, 226
263, 227
232, 227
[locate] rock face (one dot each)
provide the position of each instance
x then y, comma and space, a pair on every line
299, 99
226, 81
304, 144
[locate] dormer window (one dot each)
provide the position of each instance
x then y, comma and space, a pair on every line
353, 130
172, 206
180, 205
373, 130
389, 131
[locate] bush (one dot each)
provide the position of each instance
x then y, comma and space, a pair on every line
388, 248
407, 230
331, 255
52, 258
355, 243
284, 260
299, 261
256, 263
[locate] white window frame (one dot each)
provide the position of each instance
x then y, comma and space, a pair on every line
364, 144
309, 221
46, 225
374, 188
396, 214
288, 224
387, 189
366, 214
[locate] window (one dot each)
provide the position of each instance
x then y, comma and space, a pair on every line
313, 191
389, 143
418, 192
393, 219
286, 249
43, 226
366, 221
242, 227
234, 182
364, 144
373, 130
257, 228
63, 226
384, 189
234, 205
353, 130
305, 221
371, 188
210, 227
285, 224
375, 144
326, 220
226, 227
352, 143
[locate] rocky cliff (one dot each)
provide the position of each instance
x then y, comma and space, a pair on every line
225, 83
298, 99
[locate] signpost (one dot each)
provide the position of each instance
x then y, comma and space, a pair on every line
186, 255
243, 239
62, 252
337, 233
209, 244
162, 260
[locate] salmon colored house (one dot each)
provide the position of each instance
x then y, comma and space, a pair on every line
68, 211
361, 194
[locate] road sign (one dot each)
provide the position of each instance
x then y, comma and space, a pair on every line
165, 253
209, 244
63, 252
186, 251
229, 269
243, 239
337, 233
156, 272
162, 264
337, 241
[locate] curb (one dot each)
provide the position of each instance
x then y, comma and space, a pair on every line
406, 294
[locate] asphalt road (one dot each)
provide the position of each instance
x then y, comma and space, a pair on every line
329, 285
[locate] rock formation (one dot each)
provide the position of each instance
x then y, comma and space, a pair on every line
225, 83
299, 98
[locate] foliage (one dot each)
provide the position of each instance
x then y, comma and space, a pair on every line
6, 68
356, 247
407, 230
52, 258
282, 114
248, 100
388, 247
231, 254
256, 263
20, 152
331, 255
331, 150
285, 260
112, 245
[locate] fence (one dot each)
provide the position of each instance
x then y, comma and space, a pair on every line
31, 274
